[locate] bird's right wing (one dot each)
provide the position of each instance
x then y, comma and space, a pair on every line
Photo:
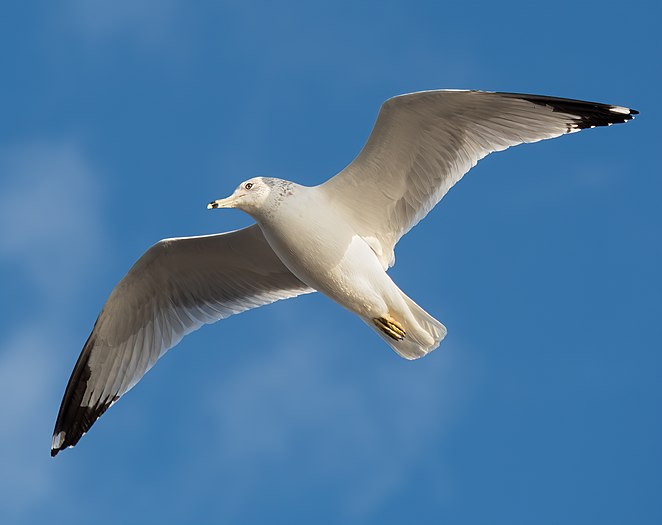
174, 288
423, 143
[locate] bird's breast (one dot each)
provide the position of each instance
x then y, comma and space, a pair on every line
322, 251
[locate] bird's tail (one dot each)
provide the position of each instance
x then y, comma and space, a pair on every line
412, 334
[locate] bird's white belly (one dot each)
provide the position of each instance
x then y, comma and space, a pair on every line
339, 263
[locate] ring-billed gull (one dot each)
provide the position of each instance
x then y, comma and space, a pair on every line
337, 238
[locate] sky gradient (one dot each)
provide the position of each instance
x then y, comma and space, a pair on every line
121, 120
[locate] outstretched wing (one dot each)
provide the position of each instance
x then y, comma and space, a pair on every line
423, 143
174, 288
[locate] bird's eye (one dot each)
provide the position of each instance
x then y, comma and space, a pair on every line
248, 185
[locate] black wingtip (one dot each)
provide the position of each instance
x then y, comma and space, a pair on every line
71, 421
74, 419
582, 114
77, 421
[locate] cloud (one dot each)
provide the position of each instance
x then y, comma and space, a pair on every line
280, 414
50, 232
27, 381
49, 220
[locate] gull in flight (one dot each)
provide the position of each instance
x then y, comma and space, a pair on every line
336, 238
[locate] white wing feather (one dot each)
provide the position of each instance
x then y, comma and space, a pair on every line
423, 143
173, 289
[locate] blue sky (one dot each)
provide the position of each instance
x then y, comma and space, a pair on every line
121, 120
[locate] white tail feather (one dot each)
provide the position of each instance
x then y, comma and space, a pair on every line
423, 333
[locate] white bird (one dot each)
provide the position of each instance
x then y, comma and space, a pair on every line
337, 238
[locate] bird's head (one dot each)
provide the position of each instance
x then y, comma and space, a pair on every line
250, 196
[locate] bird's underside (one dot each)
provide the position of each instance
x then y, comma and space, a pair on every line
421, 145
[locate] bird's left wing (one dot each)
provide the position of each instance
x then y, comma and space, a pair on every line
423, 143
174, 288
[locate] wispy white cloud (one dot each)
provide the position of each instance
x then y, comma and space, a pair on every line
27, 380
49, 219
50, 232
280, 414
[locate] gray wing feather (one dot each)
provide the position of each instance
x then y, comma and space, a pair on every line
174, 288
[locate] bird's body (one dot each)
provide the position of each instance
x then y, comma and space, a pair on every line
337, 238
313, 238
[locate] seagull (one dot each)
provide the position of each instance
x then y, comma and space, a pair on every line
337, 238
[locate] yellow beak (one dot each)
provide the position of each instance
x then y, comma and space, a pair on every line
221, 203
